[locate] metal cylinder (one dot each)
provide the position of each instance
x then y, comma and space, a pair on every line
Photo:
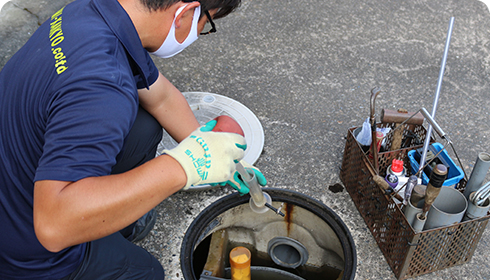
475, 211
448, 208
478, 174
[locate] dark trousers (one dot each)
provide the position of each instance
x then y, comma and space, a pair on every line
114, 257
141, 143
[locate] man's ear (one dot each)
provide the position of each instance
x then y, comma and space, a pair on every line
190, 6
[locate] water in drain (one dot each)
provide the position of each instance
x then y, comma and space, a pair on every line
260, 259
320, 238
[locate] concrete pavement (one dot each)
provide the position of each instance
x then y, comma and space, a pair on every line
306, 68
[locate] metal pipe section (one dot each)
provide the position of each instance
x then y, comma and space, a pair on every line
374, 93
478, 174
481, 194
475, 210
433, 123
438, 90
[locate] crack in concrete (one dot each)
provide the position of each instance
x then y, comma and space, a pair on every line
37, 17
27, 10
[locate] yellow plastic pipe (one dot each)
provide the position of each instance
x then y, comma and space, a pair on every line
240, 263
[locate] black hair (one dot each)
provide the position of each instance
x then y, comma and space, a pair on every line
154, 5
224, 7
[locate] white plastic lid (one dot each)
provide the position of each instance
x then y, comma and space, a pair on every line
207, 106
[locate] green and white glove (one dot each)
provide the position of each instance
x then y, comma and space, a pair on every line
207, 156
237, 182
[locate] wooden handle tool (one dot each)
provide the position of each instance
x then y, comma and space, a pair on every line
437, 178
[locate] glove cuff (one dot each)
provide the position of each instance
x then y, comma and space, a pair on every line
184, 162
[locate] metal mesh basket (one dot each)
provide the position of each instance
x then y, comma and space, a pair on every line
409, 254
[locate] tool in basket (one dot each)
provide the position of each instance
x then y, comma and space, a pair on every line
374, 143
438, 91
398, 117
430, 117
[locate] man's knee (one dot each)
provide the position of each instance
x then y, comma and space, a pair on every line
141, 143
147, 127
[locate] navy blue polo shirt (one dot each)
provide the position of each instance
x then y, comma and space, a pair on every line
68, 99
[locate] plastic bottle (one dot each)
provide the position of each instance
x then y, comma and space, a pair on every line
392, 180
396, 168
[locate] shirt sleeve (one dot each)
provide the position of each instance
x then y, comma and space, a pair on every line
153, 73
85, 130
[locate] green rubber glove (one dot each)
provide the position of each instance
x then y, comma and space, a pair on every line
207, 156
237, 183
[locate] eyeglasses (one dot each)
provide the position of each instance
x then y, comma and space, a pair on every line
209, 27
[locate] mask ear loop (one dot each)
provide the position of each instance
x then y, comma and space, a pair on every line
171, 46
182, 10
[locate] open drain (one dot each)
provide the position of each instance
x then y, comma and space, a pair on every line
287, 252
311, 242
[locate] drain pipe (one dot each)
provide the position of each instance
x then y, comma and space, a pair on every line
478, 174
287, 252
476, 210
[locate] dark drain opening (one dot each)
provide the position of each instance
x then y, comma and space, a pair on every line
287, 252
229, 218
286, 256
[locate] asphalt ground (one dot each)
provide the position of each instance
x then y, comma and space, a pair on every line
306, 69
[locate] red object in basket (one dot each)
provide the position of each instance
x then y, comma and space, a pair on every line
397, 165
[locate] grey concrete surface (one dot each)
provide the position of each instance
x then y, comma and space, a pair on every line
306, 68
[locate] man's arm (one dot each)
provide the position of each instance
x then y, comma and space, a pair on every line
167, 104
70, 213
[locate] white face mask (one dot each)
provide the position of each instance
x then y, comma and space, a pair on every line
171, 46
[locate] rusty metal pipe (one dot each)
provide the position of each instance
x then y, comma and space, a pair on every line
400, 117
374, 93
